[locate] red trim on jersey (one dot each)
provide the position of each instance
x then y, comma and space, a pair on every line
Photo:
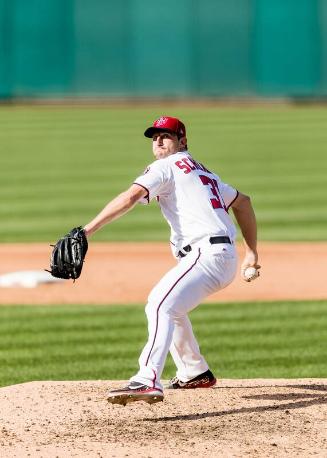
147, 196
237, 194
157, 320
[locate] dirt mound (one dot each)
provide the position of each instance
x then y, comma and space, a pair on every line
257, 418
121, 273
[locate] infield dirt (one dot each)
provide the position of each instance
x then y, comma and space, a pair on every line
256, 418
121, 273
237, 418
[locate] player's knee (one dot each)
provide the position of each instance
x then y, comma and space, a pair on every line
151, 309
172, 310
166, 307
175, 312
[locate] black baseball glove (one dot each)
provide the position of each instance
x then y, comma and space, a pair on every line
68, 255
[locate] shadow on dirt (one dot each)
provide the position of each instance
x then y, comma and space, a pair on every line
290, 396
300, 401
301, 387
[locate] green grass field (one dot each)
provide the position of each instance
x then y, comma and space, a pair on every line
268, 340
60, 165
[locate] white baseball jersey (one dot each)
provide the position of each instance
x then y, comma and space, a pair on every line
193, 200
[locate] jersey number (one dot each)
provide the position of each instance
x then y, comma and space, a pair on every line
215, 200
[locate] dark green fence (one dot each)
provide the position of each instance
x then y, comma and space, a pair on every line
56, 48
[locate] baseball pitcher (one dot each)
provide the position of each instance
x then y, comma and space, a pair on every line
195, 203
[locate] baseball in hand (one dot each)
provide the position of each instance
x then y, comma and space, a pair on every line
250, 273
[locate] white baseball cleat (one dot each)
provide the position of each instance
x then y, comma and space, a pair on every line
135, 392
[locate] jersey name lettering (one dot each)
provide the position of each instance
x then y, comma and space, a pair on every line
188, 164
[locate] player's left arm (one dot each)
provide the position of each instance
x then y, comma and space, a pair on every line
245, 217
116, 208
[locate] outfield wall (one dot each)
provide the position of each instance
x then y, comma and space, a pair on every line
190, 48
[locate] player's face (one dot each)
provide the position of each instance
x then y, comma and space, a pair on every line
164, 144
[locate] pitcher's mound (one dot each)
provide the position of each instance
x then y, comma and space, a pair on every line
237, 418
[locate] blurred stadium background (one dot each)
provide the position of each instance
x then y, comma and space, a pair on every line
131, 61
141, 48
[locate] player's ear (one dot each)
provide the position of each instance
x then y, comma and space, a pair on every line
183, 142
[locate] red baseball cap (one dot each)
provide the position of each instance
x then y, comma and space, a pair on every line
167, 124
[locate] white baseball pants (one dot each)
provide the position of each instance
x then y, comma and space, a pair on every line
205, 270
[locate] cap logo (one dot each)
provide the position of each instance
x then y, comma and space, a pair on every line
161, 121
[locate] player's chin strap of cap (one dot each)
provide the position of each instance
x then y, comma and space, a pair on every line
213, 240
